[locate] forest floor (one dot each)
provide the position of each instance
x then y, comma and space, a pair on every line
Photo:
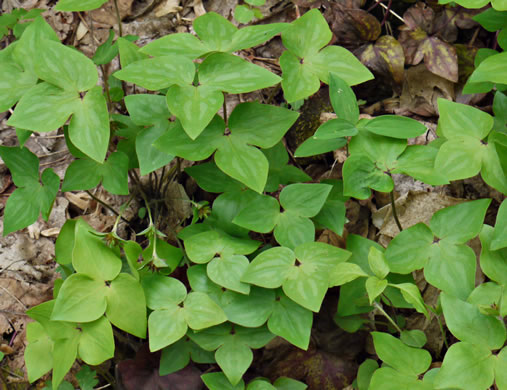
403, 86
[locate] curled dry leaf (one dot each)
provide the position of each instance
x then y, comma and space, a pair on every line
352, 26
384, 58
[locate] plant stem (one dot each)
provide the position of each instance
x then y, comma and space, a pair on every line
379, 308
118, 17
395, 214
106, 206
225, 108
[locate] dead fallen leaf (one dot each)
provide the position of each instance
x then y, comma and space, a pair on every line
168, 7
385, 58
412, 208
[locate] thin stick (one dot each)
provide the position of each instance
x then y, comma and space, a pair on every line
390, 10
107, 206
14, 297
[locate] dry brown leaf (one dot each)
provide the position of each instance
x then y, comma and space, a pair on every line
412, 208
168, 7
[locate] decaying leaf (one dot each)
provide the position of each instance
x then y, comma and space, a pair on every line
421, 90
385, 58
440, 58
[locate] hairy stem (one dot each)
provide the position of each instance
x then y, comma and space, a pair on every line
379, 308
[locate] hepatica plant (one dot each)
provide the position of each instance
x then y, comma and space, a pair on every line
247, 267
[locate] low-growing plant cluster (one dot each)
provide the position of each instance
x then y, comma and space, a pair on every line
247, 268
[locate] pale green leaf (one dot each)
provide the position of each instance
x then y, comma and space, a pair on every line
81, 299
201, 312
299, 81
227, 271
96, 343
270, 268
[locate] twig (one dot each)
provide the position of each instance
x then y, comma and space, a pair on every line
390, 11
14, 297
107, 206
379, 308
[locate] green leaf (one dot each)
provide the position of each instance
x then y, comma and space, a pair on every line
107, 51
149, 157
78, 5
159, 72
493, 263
147, 109
65, 242
87, 378
96, 343
126, 305
332, 215
212, 179
375, 287
234, 357
260, 215
214, 30
87, 174
307, 35
501, 369
26, 203
89, 126
226, 271
460, 157
299, 81
132, 252
91, 256
64, 355
129, 52
270, 268
410, 249
81, 299
467, 323
166, 326
44, 108
65, 67
395, 126
413, 296
401, 357
418, 161
284, 383
378, 263
218, 381
261, 124
451, 268
344, 273
343, 99
384, 151
251, 310
291, 321
195, 107
458, 120
233, 74
335, 128
292, 230
466, 366
360, 174
491, 69
38, 353
243, 14
336, 59
313, 146
242, 162
181, 44
365, 372
461, 222
386, 378
162, 291
494, 169
175, 141
15, 83
304, 200
413, 338
201, 312
251, 36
